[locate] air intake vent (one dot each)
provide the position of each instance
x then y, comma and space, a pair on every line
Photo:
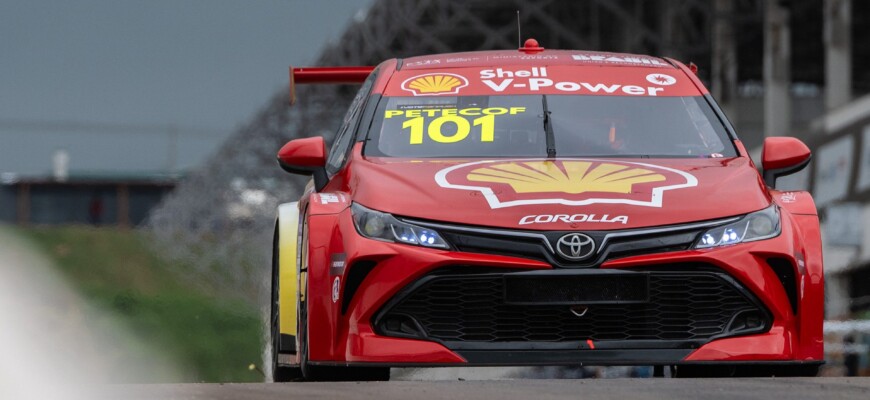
695, 305
355, 276
786, 273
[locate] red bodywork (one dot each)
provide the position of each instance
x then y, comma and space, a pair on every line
439, 190
306, 153
782, 152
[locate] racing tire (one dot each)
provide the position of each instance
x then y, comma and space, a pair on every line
280, 373
745, 371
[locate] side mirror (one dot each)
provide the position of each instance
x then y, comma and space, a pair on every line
305, 157
783, 156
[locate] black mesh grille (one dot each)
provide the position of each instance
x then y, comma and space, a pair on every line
682, 306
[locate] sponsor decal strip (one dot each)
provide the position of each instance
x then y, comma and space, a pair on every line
326, 198
643, 80
538, 81
612, 59
578, 58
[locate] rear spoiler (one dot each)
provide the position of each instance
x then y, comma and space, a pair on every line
333, 75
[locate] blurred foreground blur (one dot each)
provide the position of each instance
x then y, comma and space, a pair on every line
54, 342
96, 305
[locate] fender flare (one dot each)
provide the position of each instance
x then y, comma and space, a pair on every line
288, 272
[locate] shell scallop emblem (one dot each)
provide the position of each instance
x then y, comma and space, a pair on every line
569, 182
435, 84
573, 177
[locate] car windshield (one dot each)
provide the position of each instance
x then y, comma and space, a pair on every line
514, 126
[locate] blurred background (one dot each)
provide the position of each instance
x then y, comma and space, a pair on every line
138, 140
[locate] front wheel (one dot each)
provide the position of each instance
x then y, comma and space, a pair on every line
280, 373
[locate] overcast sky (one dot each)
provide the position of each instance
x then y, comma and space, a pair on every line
207, 65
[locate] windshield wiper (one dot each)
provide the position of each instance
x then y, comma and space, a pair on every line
548, 128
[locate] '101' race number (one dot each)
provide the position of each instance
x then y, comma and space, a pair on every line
463, 119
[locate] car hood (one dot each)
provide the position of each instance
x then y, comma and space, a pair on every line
560, 194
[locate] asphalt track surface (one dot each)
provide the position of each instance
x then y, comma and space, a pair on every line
537, 389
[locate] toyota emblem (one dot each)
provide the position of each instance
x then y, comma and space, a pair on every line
575, 246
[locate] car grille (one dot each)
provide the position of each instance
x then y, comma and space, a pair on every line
540, 245
682, 306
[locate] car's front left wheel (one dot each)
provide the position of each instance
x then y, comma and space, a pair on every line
280, 373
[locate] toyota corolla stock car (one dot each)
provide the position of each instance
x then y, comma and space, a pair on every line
541, 207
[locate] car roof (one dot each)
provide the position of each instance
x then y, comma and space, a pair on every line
501, 58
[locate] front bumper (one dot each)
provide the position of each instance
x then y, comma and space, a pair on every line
345, 330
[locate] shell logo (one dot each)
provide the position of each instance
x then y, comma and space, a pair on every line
573, 177
435, 84
569, 182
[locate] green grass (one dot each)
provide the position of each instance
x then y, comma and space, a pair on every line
212, 338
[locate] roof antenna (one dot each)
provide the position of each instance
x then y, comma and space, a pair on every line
519, 33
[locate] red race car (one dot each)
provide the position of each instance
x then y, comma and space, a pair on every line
541, 207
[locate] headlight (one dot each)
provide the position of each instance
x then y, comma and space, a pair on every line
759, 225
382, 226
